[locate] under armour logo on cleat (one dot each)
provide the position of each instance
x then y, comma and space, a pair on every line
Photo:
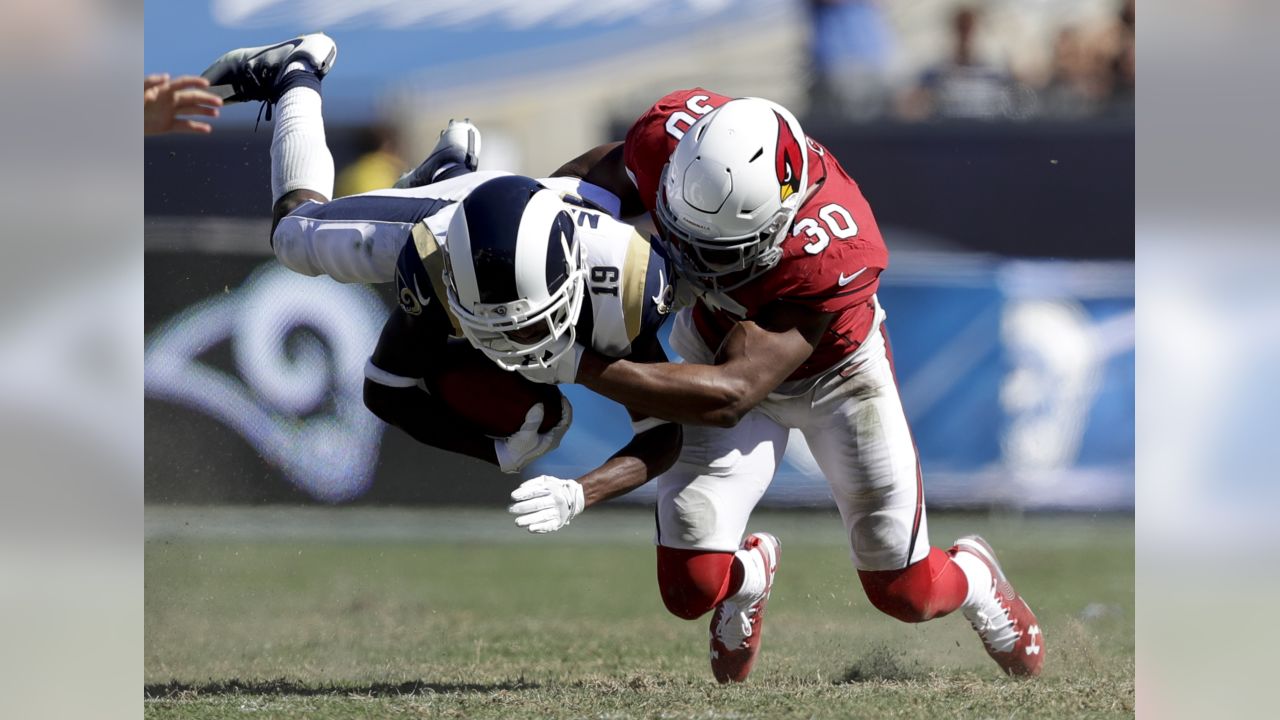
1032, 648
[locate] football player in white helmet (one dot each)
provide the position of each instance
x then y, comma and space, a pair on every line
786, 334
538, 270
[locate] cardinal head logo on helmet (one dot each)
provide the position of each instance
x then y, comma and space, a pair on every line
788, 159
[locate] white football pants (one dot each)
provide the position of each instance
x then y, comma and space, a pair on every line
852, 419
357, 239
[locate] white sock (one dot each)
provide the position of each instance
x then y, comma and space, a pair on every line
753, 577
981, 607
300, 159
979, 577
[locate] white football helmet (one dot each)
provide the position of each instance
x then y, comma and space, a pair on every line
729, 192
514, 272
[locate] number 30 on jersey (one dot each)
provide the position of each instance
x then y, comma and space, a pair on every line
836, 219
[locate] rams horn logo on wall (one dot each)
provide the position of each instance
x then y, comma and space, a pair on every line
788, 159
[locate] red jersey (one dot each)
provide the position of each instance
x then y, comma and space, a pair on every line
832, 256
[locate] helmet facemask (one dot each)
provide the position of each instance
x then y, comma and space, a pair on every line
730, 191
722, 264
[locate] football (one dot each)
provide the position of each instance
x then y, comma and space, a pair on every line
484, 394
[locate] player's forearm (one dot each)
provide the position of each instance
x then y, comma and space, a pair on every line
648, 455
603, 166
428, 421
685, 393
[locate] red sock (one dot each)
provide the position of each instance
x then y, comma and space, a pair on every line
695, 581
925, 590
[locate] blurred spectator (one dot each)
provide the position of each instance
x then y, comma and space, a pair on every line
1123, 65
1092, 71
377, 168
1076, 87
163, 100
852, 46
965, 86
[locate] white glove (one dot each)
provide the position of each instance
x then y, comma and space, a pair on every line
563, 370
546, 504
527, 444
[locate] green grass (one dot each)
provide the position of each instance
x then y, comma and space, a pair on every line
444, 613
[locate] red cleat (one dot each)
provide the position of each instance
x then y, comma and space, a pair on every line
1008, 628
736, 630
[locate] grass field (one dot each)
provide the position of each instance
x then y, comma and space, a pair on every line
369, 613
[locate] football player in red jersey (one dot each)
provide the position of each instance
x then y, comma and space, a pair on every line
784, 257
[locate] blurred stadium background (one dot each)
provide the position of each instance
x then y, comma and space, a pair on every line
1002, 178
994, 140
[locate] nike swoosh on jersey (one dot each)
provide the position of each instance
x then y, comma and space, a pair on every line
846, 279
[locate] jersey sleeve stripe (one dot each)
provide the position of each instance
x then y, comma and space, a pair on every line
635, 269
433, 260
